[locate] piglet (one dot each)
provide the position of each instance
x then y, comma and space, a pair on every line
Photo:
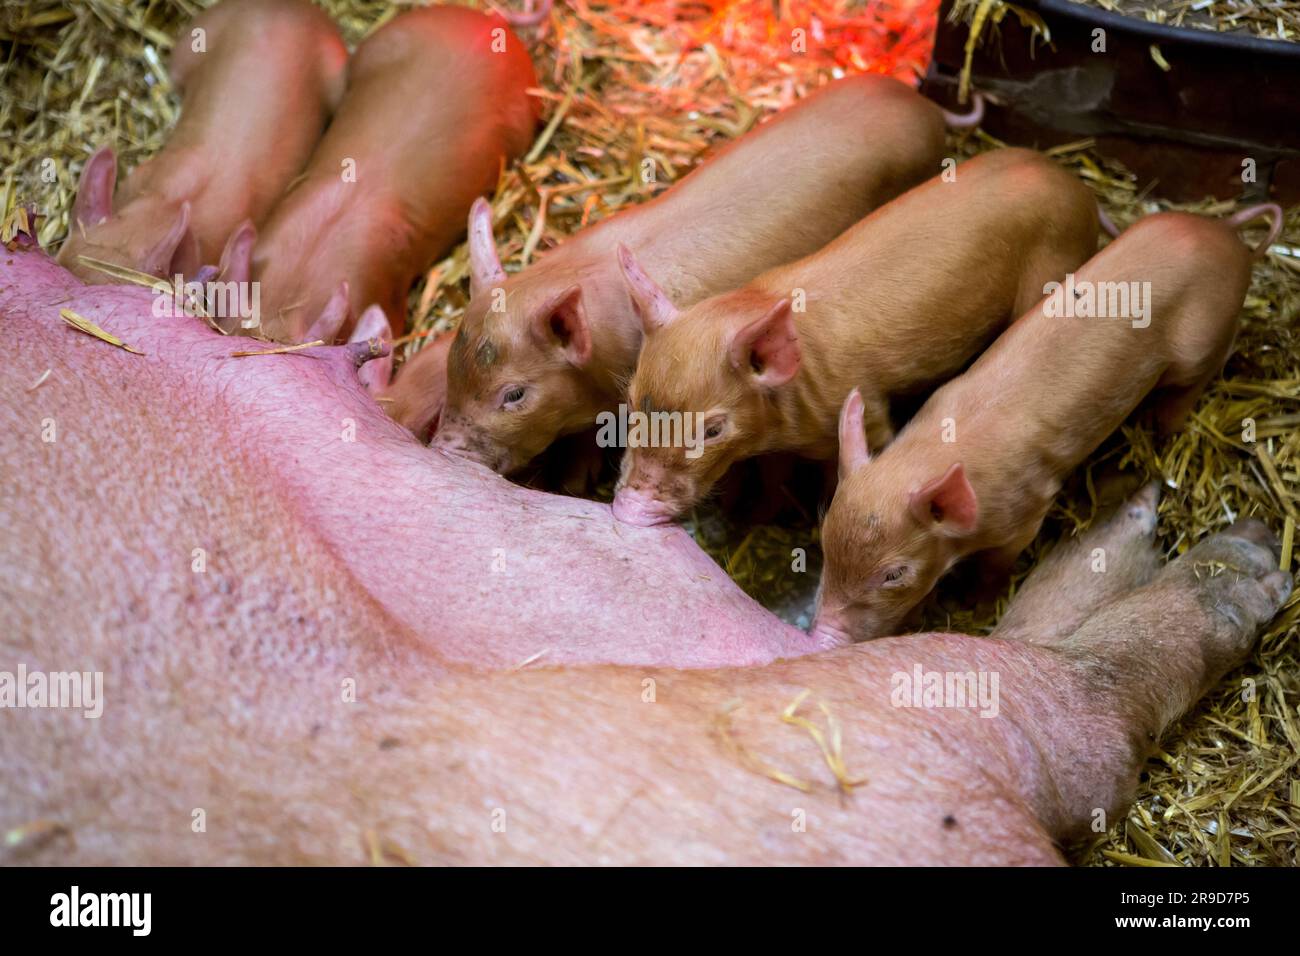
418, 397
978, 466
540, 354
436, 102
258, 81
895, 306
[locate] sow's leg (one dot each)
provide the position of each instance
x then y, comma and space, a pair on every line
1081, 574
816, 760
747, 781
1103, 694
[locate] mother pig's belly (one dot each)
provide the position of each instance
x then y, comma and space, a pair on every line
269, 499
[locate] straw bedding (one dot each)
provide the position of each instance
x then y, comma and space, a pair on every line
1274, 20
668, 80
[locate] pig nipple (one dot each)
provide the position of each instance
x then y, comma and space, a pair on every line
362, 352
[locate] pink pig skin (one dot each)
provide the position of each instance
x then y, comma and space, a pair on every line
202, 533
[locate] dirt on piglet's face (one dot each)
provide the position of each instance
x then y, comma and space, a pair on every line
508, 395
880, 561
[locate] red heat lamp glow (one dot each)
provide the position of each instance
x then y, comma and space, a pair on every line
892, 37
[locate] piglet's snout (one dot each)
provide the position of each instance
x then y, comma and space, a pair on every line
829, 630
649, 493
632, 506
455, 441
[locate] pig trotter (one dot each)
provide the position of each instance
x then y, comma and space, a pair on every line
1235, 577
1108, 691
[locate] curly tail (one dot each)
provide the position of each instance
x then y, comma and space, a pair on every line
1236, 221
524, 20
1270, 209
1107, 223
967, 120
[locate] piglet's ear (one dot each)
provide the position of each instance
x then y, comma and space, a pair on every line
652, 304
236, 266
948, 501
333, 316
561, 322
94, 202
158, 260
769, 347
853, 438
484, 265
237, 256
417, 398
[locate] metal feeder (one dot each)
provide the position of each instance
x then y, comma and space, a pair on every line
1195, 111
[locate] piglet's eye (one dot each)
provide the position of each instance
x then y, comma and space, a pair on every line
714, 428
513, 397
893, 575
